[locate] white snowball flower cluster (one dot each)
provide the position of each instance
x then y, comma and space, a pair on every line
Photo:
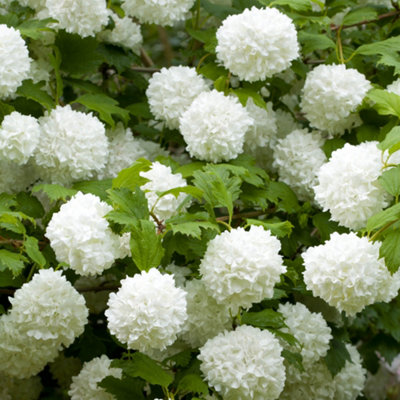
78, 16
347, 273
394, 87
298, 158
147, 312
214, 127
331, 94
171, 91
244, 364
125, 32
15, 178
20, 389
348, 185
14, 61
206, 318
162, 179
73, 146
81, 237
19, 137
257, 43
242, 267
84, 385
179, 273
310, 329
165, 13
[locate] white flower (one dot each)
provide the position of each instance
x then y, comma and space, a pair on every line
285, 123
162, 179
257, 43
348, 185
14, 60
15, 178
78, 16
347, 273
166, 13
125, 32
310, 329
214, 127
242, 267
331, 94
147, 312
394, 87
350, 380
153, 150
73, 146
171, 91
244, 364
84, 386
206, 318
179, 273
81, 237
264, 129
64, 368
19, 136
34, 4
298, 158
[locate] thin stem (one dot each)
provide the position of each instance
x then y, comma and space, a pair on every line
339, 46
31, 272
376, 234
168, 52
145, 69
249, 214
146, 59
225, 224
201, 61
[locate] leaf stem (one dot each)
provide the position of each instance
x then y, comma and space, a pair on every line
376, 234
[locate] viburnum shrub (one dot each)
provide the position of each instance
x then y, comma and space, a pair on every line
199, 199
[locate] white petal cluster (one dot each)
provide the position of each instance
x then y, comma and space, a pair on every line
179, 273
147, 312
214, 127
162, 179
34, 4
348, 185
14, 60
347, 273
264, 129
242, 267
257, 43
298, 158
244, 364
331, 94
19, 136
394, 87
152, 149
81, 237
84, 385
73, 146
20, 389
310, 329
125, 32
171, 91
165, 13
206, 318
83, 17
15, 178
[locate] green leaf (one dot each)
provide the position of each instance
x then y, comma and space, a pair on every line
359, 14
11, 222
313, 41
243, 95
141, 110
390, 181
130, 177
192, 383
31, 246
392, 140
218, 10
277, 228
384, 217
207, 37
282, 195
297, 5
127, 388
30, 205
337, 356
386, 103
181, 359
331, 145
55, 61
5, 109
115, 56
146, 247
264, 319
8, 279
325, 226
33, 91
12, 261
10, 19
133, 204
142, 366
98, 188
192, 228
191, 190
34, 28
293, 358
54, 192
390, 250
212, 71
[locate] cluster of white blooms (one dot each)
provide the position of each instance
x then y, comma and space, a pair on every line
348, 185
34, 4
20, 389
310, 329
73, 146
84, 385
257, 43
47, 313
242, 267
394, 87
244, 364
347, 273
331, 94
147, 312
125, 32
15, 178
162, 179
214, 127
81, 237
19, 136
298, 158
179, 273
171, 91
206, 318
152, 11
14, 60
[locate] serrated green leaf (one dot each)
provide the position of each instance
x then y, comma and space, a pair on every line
337, 356
33, 91
359, 14
325, 226
220, 83
331, 145
12, 261
54, 192
191, 190
313, 41
10, 19
390, 250
116, 56
8, 279
127, 388
130, 177
34, 28
392, 140
192, 228
142, 366
277, 228
5, 109
267, 318
297, 5
11, 223
293, 358
133, 204
208, 37
390, 181
98, 188
146, 247
192, 383
31, 246
282, 195
212, 71
244, 94
29, 205
141, 110
181, 359
188, 169
386, 103
218, 10
384, 217
287, 337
